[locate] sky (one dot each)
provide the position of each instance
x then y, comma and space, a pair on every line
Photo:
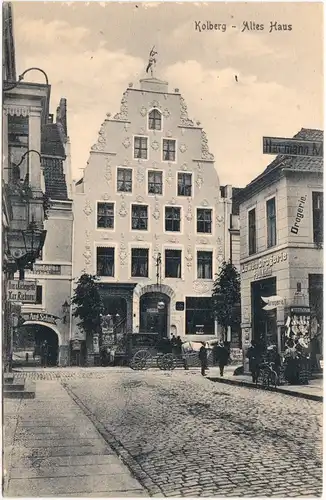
91, 51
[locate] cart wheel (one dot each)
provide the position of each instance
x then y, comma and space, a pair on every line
168, 362
159, 361
141, 360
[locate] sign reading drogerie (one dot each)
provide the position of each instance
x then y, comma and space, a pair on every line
292, 147
21, 291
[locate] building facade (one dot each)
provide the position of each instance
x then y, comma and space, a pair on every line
150, 218
49, 318
281, 241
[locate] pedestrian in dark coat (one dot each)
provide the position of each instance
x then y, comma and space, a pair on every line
254, 356
222, 357
203, 358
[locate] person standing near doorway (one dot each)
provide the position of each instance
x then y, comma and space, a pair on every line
203, 358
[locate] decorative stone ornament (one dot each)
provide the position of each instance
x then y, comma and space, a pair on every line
173, 240
200, 287
142, 131
126, 163
87, 253
184, 119
204, 203
88, 209
154, 104
123, 114
156, 213
154, 164
126, 142
123, 254
202, 241
139, 237
183, 148
123, 209
143, 111
126, 127
199, 178
169, 133
219, 220
169, 177
139, 199
101, 140
166, 113
205, 154
155, 145
189, 216
108, 171
140, 175
17, 110
105, 196
189, 258
184, 166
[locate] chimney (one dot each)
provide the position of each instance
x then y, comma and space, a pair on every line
61, 116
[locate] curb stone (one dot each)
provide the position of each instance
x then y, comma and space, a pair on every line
280, 390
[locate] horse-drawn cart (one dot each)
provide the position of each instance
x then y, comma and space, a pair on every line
145, 350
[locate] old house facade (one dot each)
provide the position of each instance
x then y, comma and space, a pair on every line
150, 219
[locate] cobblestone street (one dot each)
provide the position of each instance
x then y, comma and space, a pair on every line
182, 435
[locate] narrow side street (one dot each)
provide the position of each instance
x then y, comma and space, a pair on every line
178, 433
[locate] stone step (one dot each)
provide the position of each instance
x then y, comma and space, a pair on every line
28, 392
13, 386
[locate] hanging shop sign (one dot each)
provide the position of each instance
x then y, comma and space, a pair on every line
299, 215
292, 147
45, 269
264, 267
45, 318
272, 302
21, 291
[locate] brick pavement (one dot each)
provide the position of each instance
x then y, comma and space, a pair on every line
183, 435
51, 448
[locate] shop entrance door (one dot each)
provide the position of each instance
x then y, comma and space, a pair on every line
154, 313
264, 322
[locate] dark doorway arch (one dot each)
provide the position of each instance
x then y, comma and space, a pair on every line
40, 342
154, 309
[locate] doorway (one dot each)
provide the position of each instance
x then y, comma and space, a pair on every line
264, 322
29, 341
154, 311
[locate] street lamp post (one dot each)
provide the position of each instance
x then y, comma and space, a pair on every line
21, 77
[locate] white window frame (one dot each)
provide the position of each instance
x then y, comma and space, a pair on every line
172, 246
192, 185
141, 231
142, 136
204, 235
162, 118
176, 150
106, 244
125, 193
114, 215
163, 180
170, 233
204, 249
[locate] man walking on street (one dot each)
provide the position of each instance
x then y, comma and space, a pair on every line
222, 357
203, 358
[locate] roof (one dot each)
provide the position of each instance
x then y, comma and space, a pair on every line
55, 179
53, 155
291, 163
235, 203
51, 141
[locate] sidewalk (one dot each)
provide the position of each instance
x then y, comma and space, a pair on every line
51, 448
313, 391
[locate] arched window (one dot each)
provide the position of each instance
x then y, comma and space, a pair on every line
155, 120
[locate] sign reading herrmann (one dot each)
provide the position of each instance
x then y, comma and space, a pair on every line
292, 147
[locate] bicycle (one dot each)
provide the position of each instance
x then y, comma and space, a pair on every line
268, 377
